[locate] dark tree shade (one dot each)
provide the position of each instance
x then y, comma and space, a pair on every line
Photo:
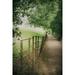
56, 24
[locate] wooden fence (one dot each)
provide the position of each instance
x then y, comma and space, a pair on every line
34, 45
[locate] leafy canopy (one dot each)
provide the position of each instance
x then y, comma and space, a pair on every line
44, 13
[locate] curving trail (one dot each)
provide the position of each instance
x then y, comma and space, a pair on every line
50, 61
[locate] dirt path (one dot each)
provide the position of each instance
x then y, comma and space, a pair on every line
49, 63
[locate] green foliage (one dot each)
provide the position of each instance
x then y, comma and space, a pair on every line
20, 7
56, 24
16, 32
29, 33
44, 13
49, 16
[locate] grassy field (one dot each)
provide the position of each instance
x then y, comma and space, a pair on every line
26, 33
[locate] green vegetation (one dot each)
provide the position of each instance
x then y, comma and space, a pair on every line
44, 13
26, 33
17, 51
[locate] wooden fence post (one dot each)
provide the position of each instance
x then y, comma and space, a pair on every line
33, 51
29, 44
21, 55
42, 44
33, 43
38, 42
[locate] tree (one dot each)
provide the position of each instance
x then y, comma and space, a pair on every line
19, 9
56, 24
49, 16
44, 13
